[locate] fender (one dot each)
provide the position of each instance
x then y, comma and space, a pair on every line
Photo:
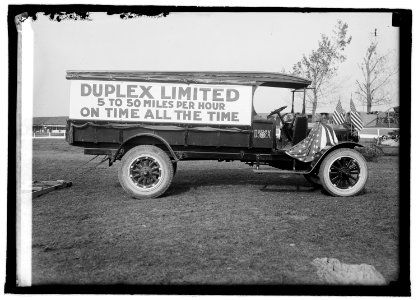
318, 161
150, 135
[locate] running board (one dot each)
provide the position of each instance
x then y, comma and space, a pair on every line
259, 171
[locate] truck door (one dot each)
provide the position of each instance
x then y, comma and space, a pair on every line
263, 133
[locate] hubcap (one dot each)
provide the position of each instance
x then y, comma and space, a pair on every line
145, 172
344, 172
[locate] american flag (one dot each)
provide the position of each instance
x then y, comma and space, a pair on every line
321, 136
355, 117
338, 116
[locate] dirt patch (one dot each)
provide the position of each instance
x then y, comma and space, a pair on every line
332, 271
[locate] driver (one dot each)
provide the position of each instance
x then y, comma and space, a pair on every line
289, 117
278, 129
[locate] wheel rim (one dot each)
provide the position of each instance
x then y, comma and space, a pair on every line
145, 172
344, 172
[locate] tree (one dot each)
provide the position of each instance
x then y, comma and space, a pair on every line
377, 73
322, 64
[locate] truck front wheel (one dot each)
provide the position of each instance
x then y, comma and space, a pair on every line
145, 172
343, 172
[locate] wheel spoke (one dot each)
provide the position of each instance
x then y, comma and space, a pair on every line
352, 177
334, 179
351, 164
338, 162
342, 183
338, 182
349, 181
334, 167
153, 163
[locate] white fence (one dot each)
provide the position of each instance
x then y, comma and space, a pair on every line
371, 133
48, 135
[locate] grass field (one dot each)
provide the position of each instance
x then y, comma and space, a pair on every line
218, 223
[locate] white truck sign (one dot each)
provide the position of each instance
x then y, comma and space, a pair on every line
160, 102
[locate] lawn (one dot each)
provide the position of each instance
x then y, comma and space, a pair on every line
218, 223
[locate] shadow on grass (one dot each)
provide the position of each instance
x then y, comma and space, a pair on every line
175, 190
274, 183
293, 189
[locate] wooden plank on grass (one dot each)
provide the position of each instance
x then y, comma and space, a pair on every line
42, 187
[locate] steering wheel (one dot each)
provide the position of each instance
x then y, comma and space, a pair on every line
277, 111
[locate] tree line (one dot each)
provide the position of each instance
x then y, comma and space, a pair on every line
321, 65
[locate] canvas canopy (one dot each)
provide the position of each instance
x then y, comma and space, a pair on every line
228, 78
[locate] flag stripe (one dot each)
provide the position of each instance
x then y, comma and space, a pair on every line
328, 137
338, 116
331, 138
355, 117
323, 140
357, 125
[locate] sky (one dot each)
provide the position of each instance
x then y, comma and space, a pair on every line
263, 42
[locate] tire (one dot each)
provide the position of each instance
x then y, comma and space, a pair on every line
343, 173
313, 179
145, 172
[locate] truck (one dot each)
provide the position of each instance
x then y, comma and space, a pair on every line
151, 121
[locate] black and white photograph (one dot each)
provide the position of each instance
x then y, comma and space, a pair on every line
210, 150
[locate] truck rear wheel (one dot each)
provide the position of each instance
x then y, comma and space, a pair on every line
343, 172
145, 172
